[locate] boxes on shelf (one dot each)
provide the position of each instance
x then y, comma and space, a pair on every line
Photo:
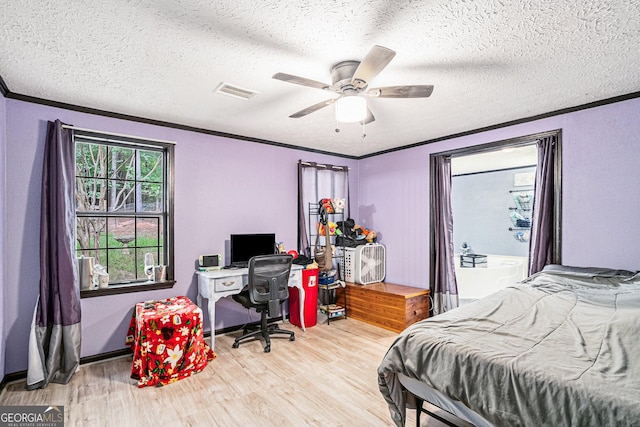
332, 310
326, 277
473, 261
327, 294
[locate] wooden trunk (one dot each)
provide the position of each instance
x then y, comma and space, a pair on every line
393, 307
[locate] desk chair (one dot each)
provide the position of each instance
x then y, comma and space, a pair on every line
266, 291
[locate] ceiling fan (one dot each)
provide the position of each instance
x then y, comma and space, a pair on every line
350, 80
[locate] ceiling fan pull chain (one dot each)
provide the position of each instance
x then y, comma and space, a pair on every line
337, 125
363, 134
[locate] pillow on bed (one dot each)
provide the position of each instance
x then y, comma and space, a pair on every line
588, 271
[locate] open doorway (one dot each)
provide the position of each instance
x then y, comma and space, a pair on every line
492, 202
539, 231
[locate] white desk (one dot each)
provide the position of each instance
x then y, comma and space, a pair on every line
214, 285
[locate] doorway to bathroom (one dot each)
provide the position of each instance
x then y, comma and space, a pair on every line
495, 216
491, 202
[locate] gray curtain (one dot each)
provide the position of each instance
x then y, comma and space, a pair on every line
542, 223
318, 181
54, 341
445, 288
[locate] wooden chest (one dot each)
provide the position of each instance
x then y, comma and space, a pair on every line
386, 305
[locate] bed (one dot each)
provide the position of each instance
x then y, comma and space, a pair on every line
561, 348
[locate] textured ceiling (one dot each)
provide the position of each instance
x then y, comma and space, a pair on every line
490, 61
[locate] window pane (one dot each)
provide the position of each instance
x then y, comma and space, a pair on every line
121, 232
90, 159
90, 195
122, 196
81, 165
90, 169
122, 163
149, 231
151, 166
121, 265
90, 233
151, 197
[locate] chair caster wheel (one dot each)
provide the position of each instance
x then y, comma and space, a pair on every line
236, 345
267, 349
292, 338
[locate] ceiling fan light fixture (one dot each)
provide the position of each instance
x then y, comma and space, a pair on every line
351, 108
350, 79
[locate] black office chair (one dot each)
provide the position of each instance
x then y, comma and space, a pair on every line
266, 291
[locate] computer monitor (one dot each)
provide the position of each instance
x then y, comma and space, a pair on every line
245, 246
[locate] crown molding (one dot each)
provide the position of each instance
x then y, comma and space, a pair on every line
8, 94
594, 104
4, 90
26, 98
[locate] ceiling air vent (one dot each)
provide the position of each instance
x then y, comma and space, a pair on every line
235, 91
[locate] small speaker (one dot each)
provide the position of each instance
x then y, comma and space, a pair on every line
210, 262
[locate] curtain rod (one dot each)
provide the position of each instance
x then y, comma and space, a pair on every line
118, 134
320, 165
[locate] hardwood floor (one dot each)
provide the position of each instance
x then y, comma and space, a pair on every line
326, 377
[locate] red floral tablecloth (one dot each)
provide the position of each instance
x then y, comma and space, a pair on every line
167, 341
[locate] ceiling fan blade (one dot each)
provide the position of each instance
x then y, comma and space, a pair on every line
299, 80
313, 108
369, 117
417, 91
375, 61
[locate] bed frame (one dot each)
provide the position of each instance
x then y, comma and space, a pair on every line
437, 405
438, 413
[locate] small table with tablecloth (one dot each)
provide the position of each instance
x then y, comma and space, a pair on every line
167, 341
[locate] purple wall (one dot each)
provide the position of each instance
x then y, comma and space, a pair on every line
225, 186
600, 181
3, 204
222, 186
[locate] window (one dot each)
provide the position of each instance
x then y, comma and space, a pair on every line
124, 209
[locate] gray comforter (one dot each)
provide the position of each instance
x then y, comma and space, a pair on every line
560, 349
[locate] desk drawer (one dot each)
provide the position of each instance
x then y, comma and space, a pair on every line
228, 284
